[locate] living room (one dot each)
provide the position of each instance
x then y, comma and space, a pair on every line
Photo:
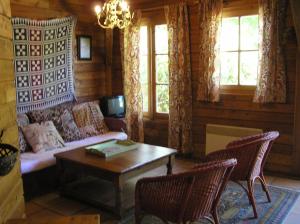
159, 111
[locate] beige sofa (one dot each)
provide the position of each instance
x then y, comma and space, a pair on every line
31, 162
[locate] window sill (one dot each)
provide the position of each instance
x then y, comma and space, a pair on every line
163, 119
238, 90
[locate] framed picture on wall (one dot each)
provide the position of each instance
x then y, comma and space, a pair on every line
84, 47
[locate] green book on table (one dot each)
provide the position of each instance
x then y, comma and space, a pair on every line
111, 148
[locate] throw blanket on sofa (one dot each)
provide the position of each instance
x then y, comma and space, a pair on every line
43, 62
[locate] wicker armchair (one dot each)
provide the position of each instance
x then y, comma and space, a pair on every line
184, 197
251, 154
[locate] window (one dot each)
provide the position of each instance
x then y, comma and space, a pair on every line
154, 69
239, 51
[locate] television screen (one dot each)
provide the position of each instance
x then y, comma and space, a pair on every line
116, 106
113, 106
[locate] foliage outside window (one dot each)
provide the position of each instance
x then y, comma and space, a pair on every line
239, 51
154, 68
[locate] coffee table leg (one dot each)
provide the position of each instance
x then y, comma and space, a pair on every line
119, 197
61, 173
169, 166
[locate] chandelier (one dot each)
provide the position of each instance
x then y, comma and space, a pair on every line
115, 13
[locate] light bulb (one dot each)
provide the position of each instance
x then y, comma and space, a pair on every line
124, 5
98, 9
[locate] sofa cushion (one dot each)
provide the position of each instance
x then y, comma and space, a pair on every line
89, 114
88, 131
69, 127
31, 162
22, 121
59, 116
42, 137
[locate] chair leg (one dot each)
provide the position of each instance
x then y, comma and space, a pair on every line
215, 216
138, 218
264, 186
251, 197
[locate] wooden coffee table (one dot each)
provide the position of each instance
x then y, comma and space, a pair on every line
117, 169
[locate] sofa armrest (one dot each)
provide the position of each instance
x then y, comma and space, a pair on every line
115, 124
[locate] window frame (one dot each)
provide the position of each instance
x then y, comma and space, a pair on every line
152, 20
238, 89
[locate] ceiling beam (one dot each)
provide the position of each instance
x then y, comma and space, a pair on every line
295, 6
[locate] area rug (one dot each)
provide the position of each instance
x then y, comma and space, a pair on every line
235, 207
43, 62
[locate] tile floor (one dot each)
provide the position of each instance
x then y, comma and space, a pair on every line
58, 206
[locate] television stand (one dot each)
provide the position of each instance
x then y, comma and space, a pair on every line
119, 116
116, 124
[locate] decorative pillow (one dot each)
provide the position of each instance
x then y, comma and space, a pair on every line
89, 114
70, 129
38, 116
55, 114
22, 141
43, 136
88, 131
98, 117
22, 121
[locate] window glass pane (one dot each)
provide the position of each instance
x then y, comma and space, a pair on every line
162, 98
162, 69
161, 39
248, 68
230, 34
145, 93
144, 69
144, 40
229, 68
249, 32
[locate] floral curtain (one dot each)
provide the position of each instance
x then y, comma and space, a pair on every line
271, 86
210, 15
130, 39
180, 115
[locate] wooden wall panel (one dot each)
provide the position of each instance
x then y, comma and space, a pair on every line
238, 110
11, 188
117, 78
235, 110
90, 82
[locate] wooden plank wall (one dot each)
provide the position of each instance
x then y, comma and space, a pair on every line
117, 78
236, 110
240, 111
90, 80
11, 188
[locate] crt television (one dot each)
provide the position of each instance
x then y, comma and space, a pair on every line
113, 106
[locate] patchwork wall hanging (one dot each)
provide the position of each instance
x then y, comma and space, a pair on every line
43, 62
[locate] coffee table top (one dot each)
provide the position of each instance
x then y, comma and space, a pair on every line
120, 163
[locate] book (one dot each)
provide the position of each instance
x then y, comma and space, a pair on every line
111, 148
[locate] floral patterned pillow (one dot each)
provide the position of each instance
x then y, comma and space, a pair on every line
70, 130
98, 117
22, 120
61, 116
88, 131
43, 137
89, 114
